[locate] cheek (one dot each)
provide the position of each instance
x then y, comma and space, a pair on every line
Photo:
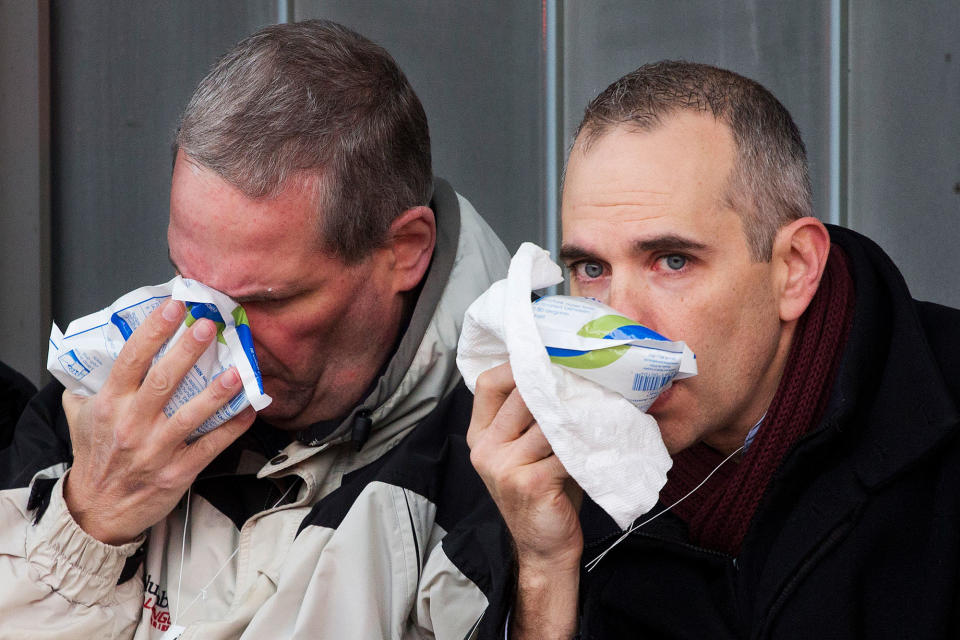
738, 339
674, 314
723, 313
283, 336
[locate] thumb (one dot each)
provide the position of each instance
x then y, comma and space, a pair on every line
72, 405
75, 407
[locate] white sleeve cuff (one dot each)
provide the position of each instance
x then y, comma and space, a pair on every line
71, 561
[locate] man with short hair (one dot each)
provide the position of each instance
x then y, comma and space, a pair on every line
826, 405
302, 188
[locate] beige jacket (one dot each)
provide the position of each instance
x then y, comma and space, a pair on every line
318, 540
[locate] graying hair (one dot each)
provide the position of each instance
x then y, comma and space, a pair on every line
769, 185
314, 99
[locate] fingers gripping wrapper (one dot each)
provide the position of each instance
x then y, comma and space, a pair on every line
81, 358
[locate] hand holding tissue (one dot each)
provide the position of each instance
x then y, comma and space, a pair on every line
586, 374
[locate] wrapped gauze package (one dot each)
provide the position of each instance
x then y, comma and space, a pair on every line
594, 341
82, 357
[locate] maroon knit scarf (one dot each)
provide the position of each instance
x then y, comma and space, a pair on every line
719, 513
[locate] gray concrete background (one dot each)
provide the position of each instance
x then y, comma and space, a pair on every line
90, 93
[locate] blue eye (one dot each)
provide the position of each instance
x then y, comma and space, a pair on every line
592, 269
675, 262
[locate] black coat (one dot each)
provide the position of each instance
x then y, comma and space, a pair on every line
15, 392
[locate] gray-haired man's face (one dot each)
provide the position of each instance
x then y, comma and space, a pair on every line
320, 326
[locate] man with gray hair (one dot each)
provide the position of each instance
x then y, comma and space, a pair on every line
813, 492
302, 188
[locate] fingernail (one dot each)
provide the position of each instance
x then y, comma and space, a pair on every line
229, 379
203, 330
171, 310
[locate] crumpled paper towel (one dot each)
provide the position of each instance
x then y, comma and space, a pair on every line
611, 449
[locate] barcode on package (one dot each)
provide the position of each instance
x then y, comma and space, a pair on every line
649, 383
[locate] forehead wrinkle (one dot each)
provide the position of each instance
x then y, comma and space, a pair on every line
627, 192
600, 196
644, 191
613, 205
611, 215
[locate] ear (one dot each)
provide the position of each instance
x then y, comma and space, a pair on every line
412, 238
800, 252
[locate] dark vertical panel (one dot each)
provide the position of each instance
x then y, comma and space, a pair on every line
904, 146
783, 45
24, 185
122, 72
477, 67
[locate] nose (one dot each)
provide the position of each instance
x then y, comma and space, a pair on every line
629, 297
256, 314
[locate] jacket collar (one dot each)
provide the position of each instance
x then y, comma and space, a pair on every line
889, 380
356, 424
467, 259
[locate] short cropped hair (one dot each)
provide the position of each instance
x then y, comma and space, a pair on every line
769, 185
315, 99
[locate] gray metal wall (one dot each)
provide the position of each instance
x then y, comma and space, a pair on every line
24, 185
874, 87
904, 138
121, 73
783, 45
478, 70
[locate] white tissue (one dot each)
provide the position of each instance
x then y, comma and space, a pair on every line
611, 449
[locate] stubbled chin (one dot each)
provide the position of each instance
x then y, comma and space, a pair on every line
287, 407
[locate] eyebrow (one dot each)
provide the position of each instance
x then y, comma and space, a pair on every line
265, 296
668, 242
258, 296
571, 252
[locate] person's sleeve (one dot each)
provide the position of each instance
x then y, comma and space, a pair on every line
56, 581
473, 563
449, 603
